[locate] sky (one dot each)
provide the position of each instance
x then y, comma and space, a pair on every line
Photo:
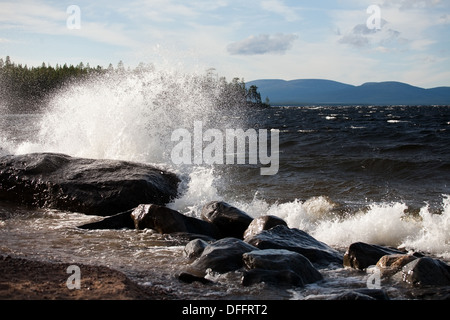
343, 40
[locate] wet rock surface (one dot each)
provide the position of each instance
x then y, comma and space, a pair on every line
282, 237
426, 272
360, 255
97, 187
222, 256
229, 220
167, 221
262, 223
280, 267
118, 221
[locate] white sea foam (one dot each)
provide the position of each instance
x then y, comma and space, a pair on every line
385, 224
434, 233
196, 189
382, 223
5, 146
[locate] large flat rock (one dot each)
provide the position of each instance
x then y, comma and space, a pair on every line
90, 186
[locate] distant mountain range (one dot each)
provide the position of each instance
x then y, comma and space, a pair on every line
327, 92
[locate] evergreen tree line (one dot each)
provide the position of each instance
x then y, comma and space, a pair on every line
25, 89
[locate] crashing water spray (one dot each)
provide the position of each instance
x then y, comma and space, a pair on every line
126, 116
131, 115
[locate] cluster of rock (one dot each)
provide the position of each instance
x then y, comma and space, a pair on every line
266, 250
223, 239
413, 269
226, 239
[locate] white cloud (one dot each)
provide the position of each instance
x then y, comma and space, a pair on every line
158, 10
30, 16
263, 44
406, 26
104, 33
43, 19
276, 6
421, 44
320, 60
334, 41
412, 4
381, 40
444, 18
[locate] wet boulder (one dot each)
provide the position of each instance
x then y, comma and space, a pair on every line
283, 237
120, 220
426, 272
90, 186
280, 278
360, 255
229, 220
222, 256
194, 248
166, 221
391, 264
279, 267
262, 223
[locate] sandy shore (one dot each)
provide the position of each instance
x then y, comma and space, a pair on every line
23, 279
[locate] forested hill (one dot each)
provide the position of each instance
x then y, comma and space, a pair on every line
25, 89
327, 92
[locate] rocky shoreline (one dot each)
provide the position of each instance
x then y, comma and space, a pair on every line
224, 239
